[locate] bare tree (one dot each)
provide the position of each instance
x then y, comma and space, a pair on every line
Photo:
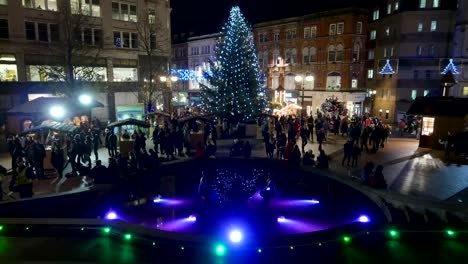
154, 41
77, 51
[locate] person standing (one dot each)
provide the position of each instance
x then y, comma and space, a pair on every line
57, 159
96, 144
39, 155
112, 144
304, 135
348, 152
310, 126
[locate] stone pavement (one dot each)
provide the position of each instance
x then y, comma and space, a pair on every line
411, 172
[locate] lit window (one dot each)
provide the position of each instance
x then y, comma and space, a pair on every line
127, 40
340, 28
387, 31
41, 4
370, 73
422, 3
124, 11
414, 94
313, 31
373, 34
8, 69
389, 8
331, 53
420, 26
90, 74
426, 92
433, 25
44, 73
307, 32
354, 83
419, 50
389, 93
435, 4
370, 55
332, 29
427, 126
375, 15
276, 36
392, 50
385, 52
3, 2
396, 5
86, 7
465, 91
125, 74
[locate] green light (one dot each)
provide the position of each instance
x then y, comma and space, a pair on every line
291, 247
1, 227
220, 250
449, 232
259, 250
393, 233
27, 228
106, 230
347, 239
154, 243
128, 237
182, 248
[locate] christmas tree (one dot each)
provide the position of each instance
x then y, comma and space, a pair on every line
235, 85
450, 67
387, 68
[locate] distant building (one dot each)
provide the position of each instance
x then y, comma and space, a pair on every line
460, 49
329, 46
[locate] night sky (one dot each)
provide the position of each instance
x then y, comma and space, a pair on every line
207, 16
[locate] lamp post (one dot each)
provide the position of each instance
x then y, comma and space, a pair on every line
300, 79
167, 94
372, 94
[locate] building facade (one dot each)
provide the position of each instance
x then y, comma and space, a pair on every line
460, 49
409, 45
327, 47
107, 40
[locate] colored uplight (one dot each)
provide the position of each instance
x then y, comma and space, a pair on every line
259, 250
111, 215
281, 219
182, 248
449, 233
347, 239
291, 247
27, 228
235, 236
157, 199
393, 233
220, 250
128, 237
1, 228
154, 243
82, 229
364, 219
192, 218
106, 230
313, 201
268, 188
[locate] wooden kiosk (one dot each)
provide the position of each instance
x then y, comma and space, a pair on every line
126, 145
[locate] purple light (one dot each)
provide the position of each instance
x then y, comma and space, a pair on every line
235, 236
111, 215
363, 219
192, 218
281, 219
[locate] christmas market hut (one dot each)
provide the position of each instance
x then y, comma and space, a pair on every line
126, 145
441, 115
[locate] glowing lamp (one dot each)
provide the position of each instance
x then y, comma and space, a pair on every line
235, 236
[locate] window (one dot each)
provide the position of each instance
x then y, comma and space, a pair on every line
375, 15
359, 27
194, 51
291, 34
54, 33
124, 11
340, 28
307, 32
356, 52
428, 74
90, 74
265, 58
465, 91
205, 49
30, 28
42, 32
387, 31
331, 53
89, 36
313, 31
125, 40
287, 56
435, 4
419, 50
125, 74
385, 52
373, 35
420, 26
370, 54
392, 50
422, 3
397, 5
370, 73
151, 14
276, 57
294, 56
382, 93
262, 37
339, 53
389, 94
4, 31
41, 4
8, 69
313, 54
3, 2
426, 92
332, 30
86, 7
427, 126
334, 81
44, 73
276, 37
354, 81
433, 25
389, 8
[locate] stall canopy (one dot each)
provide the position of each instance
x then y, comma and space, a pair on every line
439, 106
43, 104
52, 125
129, 122
204, 118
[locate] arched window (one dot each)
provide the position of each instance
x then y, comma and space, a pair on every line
287, 56
313, 54
331, 53
339, 53
275, 80
356, 52
265, 58
294, 56
305, 55
334, 81
276, 57
289, 81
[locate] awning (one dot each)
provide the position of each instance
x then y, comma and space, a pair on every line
43, 104
129, 122
52, 125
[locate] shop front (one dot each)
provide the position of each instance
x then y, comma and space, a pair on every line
354, 101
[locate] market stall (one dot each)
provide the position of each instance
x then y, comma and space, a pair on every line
126, 145
196, 135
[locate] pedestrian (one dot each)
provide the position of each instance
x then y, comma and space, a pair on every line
347, 152
356, 152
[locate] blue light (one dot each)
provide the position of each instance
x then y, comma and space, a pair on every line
450, 67
235, 236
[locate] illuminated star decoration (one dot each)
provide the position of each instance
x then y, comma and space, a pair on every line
387, 68
450, 67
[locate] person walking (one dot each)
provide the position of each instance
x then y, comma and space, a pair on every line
348, 151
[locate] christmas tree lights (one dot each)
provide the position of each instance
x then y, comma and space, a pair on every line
450, 67
235, 85
387, 68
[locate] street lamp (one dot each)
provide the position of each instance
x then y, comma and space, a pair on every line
85, 99
57, 112
372, 94
300, 79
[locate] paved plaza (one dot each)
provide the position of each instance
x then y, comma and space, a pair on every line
411, 172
